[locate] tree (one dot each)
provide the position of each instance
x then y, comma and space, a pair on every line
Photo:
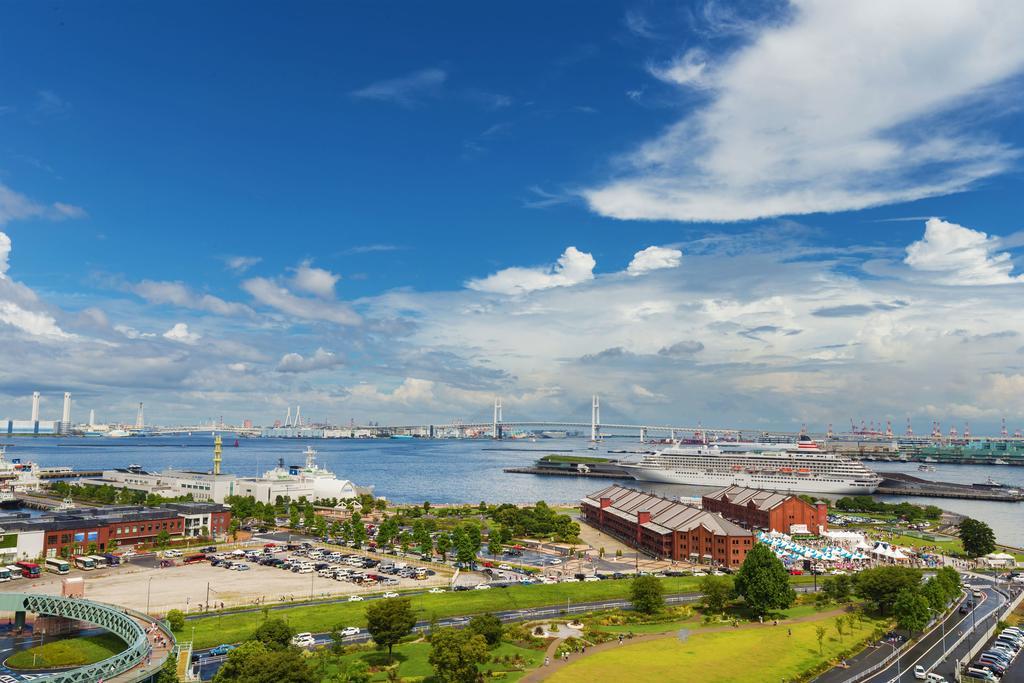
717, 592
390, 620
819, 632
763, 582
494, 541
176, 619
168, 672
881, 585
275, 634
934, 594
911, 610
837, 587
254, 662
840, 622
646, 594
455, 654
163, 538
977, 537
488, 626
443, 543
357, 671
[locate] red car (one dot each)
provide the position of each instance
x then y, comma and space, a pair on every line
796, 572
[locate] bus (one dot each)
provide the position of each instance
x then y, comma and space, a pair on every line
30, 570
5, 574
15, 571
84, 562
99, 561
57, 565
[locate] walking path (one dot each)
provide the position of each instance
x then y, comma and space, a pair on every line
543, 672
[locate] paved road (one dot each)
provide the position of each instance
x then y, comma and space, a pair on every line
934, 651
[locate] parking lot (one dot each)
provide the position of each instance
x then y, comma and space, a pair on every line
141, 584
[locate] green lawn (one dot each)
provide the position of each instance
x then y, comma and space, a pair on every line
722, 656
950, 546
67, 652
413, 661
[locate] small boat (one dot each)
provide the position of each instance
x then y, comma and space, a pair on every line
925, 468
1000, 461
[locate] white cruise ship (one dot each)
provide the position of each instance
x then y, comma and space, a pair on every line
803, 468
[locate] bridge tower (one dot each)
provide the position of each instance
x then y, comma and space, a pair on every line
496, 421
643, 435
595, 417
35, 406
140, 421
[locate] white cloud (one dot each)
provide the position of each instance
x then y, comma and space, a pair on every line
35, 323
320, 360
240, 264
133, 333
654, 258
407, 91
181, 333
5, 252
960, 256
687, 69
573, 267
238, 367
843, 106
315, 280
269, 293
178, 294
16, 206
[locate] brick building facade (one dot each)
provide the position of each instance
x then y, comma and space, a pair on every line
666, 528
769, 510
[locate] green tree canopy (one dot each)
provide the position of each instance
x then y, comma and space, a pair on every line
717, 591
977, 537
176, 619
390, 620
881, 585
911, 610
274, 633
488, 626
763, 582
455, 654
254, 662
646, 594
837, 587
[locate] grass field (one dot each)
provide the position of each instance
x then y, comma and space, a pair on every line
68, 652
413, 661
721, 656
950, 546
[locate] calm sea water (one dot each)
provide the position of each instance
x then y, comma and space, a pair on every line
450, 471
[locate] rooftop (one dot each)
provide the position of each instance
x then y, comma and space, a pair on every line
666, 514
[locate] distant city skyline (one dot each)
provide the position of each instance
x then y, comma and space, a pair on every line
794, 213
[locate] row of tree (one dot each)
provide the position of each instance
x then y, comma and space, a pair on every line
907, 511
110, 495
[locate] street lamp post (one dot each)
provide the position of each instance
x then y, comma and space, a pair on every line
149, 588
899, 672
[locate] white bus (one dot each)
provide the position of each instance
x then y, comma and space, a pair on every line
99, 561
55, 565
5, 574
84, 562
15, 571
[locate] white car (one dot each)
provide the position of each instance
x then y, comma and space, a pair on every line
172, 553
505, 567
355, 598
303, 640
555, 561
128, 553
481, 587
391, 594
350, 631
436, 589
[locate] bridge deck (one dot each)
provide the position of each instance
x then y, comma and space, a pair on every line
151, 664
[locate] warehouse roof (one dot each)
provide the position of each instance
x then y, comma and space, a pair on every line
666, 514
739, 495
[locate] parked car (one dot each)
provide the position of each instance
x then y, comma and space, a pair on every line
172, 553
482, 587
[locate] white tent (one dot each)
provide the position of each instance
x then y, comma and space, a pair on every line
998, 560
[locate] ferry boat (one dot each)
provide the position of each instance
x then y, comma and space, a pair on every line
805, 468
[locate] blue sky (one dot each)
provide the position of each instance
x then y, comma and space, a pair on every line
702, 211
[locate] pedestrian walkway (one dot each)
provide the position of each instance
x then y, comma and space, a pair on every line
542, 672
161, 649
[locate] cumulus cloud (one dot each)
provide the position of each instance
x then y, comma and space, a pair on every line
315, 280
132, 333
683, 348
35, 323
573, 267
407, 91
654, 258
269, 293
956, 255
180, 295
180, 333
836, 107
320, 360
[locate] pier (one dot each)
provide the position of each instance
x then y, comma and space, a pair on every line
897, 484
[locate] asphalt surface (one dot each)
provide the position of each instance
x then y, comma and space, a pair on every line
935, 651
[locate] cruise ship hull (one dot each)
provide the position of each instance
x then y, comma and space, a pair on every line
751, 481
